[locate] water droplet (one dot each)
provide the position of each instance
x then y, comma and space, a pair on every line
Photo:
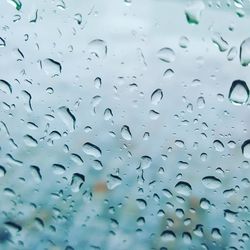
239, 92
183, 42
126, 134
16, 3
230, 216
76, 182
67, 117
97, 165
156, 96
166, 55
204, 203
76, 159
58, 169
108, 114
78, 18
52, 67
218, 146
193, 11
91, 149
220, 42
211, 182
98, 82
168, 236
30, 141
2, 171
2, 42
145, 162
113, 181
245, 52
245, 148
183, 188
141, 203
232, 53
98, 48
35, 171
5, 87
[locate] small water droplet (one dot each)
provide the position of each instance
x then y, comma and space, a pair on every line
168, 236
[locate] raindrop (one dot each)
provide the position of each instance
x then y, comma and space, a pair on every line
58, 169
52, 67
76, 159
30, 141
98, 48
67, 117
245, 148
145, 162
245, 52
193, 11
126, 134
5, 87
91, 149
168, 235
156, 96
211, 182
76, 182
230, 216
218, 145
239, 92
141, 203
2, 42
183, 188
166, 55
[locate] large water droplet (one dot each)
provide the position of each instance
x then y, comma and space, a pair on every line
166, 55
91, 149
245, 52
98, 48
156, 96
183, 188
239, 92
211, 182
245, 148
67, 117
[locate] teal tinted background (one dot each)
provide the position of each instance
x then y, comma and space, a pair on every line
124, 125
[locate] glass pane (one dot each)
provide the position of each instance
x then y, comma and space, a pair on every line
124, 124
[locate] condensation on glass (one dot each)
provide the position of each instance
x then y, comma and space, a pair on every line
124, 124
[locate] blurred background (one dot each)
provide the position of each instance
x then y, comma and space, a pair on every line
124, 124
